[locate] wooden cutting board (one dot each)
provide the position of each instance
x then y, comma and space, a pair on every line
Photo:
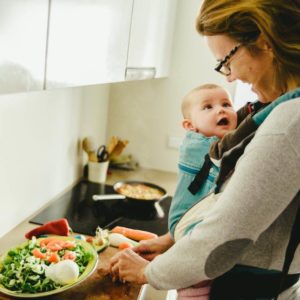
98, 286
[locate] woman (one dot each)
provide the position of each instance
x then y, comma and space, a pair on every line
242, 242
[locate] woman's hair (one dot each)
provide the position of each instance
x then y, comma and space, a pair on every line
244, 20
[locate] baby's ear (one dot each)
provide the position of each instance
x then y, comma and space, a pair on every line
187, 124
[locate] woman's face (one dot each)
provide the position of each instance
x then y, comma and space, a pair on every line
255, 69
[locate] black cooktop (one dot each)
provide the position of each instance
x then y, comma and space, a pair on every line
84, 214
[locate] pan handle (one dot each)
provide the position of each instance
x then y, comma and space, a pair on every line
107, 197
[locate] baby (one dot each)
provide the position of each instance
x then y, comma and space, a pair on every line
208, 115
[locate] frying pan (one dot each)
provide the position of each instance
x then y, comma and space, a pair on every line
120, 196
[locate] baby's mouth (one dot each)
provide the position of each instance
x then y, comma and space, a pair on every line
223, 122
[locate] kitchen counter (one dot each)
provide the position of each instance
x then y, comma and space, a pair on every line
99, 285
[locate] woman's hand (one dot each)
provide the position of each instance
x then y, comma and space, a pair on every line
128, 266
148, 249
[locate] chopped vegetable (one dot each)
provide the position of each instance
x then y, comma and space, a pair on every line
100, 241
23, 268
64, 272
137, 235
38, 254
116, 239
54, 258
59, 227
71, 255
89, 239
125, 245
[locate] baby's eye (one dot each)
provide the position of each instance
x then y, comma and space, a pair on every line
208, 106
226, 104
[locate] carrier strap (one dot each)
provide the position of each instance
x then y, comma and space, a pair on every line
292, 245
201, 176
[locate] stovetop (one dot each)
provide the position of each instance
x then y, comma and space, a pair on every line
84, 214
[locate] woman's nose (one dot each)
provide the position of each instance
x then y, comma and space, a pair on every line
230, 78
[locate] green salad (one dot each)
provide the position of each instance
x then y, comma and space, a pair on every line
23, 268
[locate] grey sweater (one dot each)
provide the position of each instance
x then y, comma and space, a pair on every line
252, 218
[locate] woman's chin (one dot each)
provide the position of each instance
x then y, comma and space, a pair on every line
260, 96
253, 89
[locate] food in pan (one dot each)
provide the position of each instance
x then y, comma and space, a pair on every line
139, 191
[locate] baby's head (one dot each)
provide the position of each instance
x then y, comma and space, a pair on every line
208, 110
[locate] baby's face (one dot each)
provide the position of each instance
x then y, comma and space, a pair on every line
212, 113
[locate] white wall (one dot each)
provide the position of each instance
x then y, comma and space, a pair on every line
148, 112
40, 153
40, 132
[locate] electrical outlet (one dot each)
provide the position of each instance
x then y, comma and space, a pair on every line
174, 142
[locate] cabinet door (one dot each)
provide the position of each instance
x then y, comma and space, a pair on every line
151, 38
23, 35
88, 41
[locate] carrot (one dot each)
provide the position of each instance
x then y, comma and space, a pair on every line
124, 245
134, 234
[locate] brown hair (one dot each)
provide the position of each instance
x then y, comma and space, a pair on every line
244, 20
188, 100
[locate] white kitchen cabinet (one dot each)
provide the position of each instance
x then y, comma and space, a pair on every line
62, 43
23, 35
151, 39
88, 42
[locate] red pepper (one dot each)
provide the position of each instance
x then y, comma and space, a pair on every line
59, 227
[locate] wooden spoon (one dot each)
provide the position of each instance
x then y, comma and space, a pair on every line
89, 146
119, 148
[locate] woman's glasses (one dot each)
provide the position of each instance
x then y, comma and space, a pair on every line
224, 67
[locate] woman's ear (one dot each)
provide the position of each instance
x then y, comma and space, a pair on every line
263, 44
187, 124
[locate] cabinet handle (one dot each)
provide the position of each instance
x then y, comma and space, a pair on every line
139, 73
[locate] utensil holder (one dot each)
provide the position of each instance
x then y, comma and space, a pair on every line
97, 171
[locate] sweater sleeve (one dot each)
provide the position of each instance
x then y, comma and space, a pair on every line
263, 185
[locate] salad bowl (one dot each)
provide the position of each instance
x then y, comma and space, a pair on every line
22, 268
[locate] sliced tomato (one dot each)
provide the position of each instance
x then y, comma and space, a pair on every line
46, 241
68, 245
37, 253
55, 245
54, 257
70, 255
89, 239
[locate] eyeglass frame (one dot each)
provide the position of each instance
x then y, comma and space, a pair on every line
225, 60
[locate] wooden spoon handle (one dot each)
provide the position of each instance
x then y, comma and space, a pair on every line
92, 156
